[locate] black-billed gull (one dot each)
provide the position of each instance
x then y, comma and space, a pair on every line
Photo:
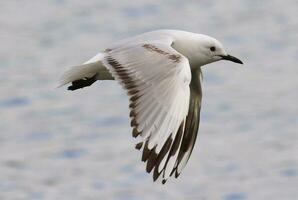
161, 72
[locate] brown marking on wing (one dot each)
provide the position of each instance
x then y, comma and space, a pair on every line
175, 57
130, 86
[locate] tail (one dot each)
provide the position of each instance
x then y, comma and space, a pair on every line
85, 75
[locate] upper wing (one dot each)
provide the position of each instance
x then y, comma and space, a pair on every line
157, 80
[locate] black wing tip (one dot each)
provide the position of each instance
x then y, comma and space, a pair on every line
135, 132
177, 174
139, 145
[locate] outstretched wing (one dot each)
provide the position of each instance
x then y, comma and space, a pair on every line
157, 80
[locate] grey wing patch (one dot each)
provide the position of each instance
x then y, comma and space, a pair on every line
174, 57
191, 124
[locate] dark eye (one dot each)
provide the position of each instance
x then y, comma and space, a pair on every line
212, 48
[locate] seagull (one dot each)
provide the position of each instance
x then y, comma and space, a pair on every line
161, 73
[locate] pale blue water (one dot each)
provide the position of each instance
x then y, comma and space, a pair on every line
57, 144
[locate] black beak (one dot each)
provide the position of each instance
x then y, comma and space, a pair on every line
232, 58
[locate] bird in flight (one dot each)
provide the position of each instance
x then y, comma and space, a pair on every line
161, 73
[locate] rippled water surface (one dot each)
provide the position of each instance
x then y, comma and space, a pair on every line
57, 144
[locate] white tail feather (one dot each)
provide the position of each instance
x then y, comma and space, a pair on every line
90, 68
80, 72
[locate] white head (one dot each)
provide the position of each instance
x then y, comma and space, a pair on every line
202, 49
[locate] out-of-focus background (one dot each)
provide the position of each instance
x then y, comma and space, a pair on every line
57, 144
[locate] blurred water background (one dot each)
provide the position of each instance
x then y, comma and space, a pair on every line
57, 144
